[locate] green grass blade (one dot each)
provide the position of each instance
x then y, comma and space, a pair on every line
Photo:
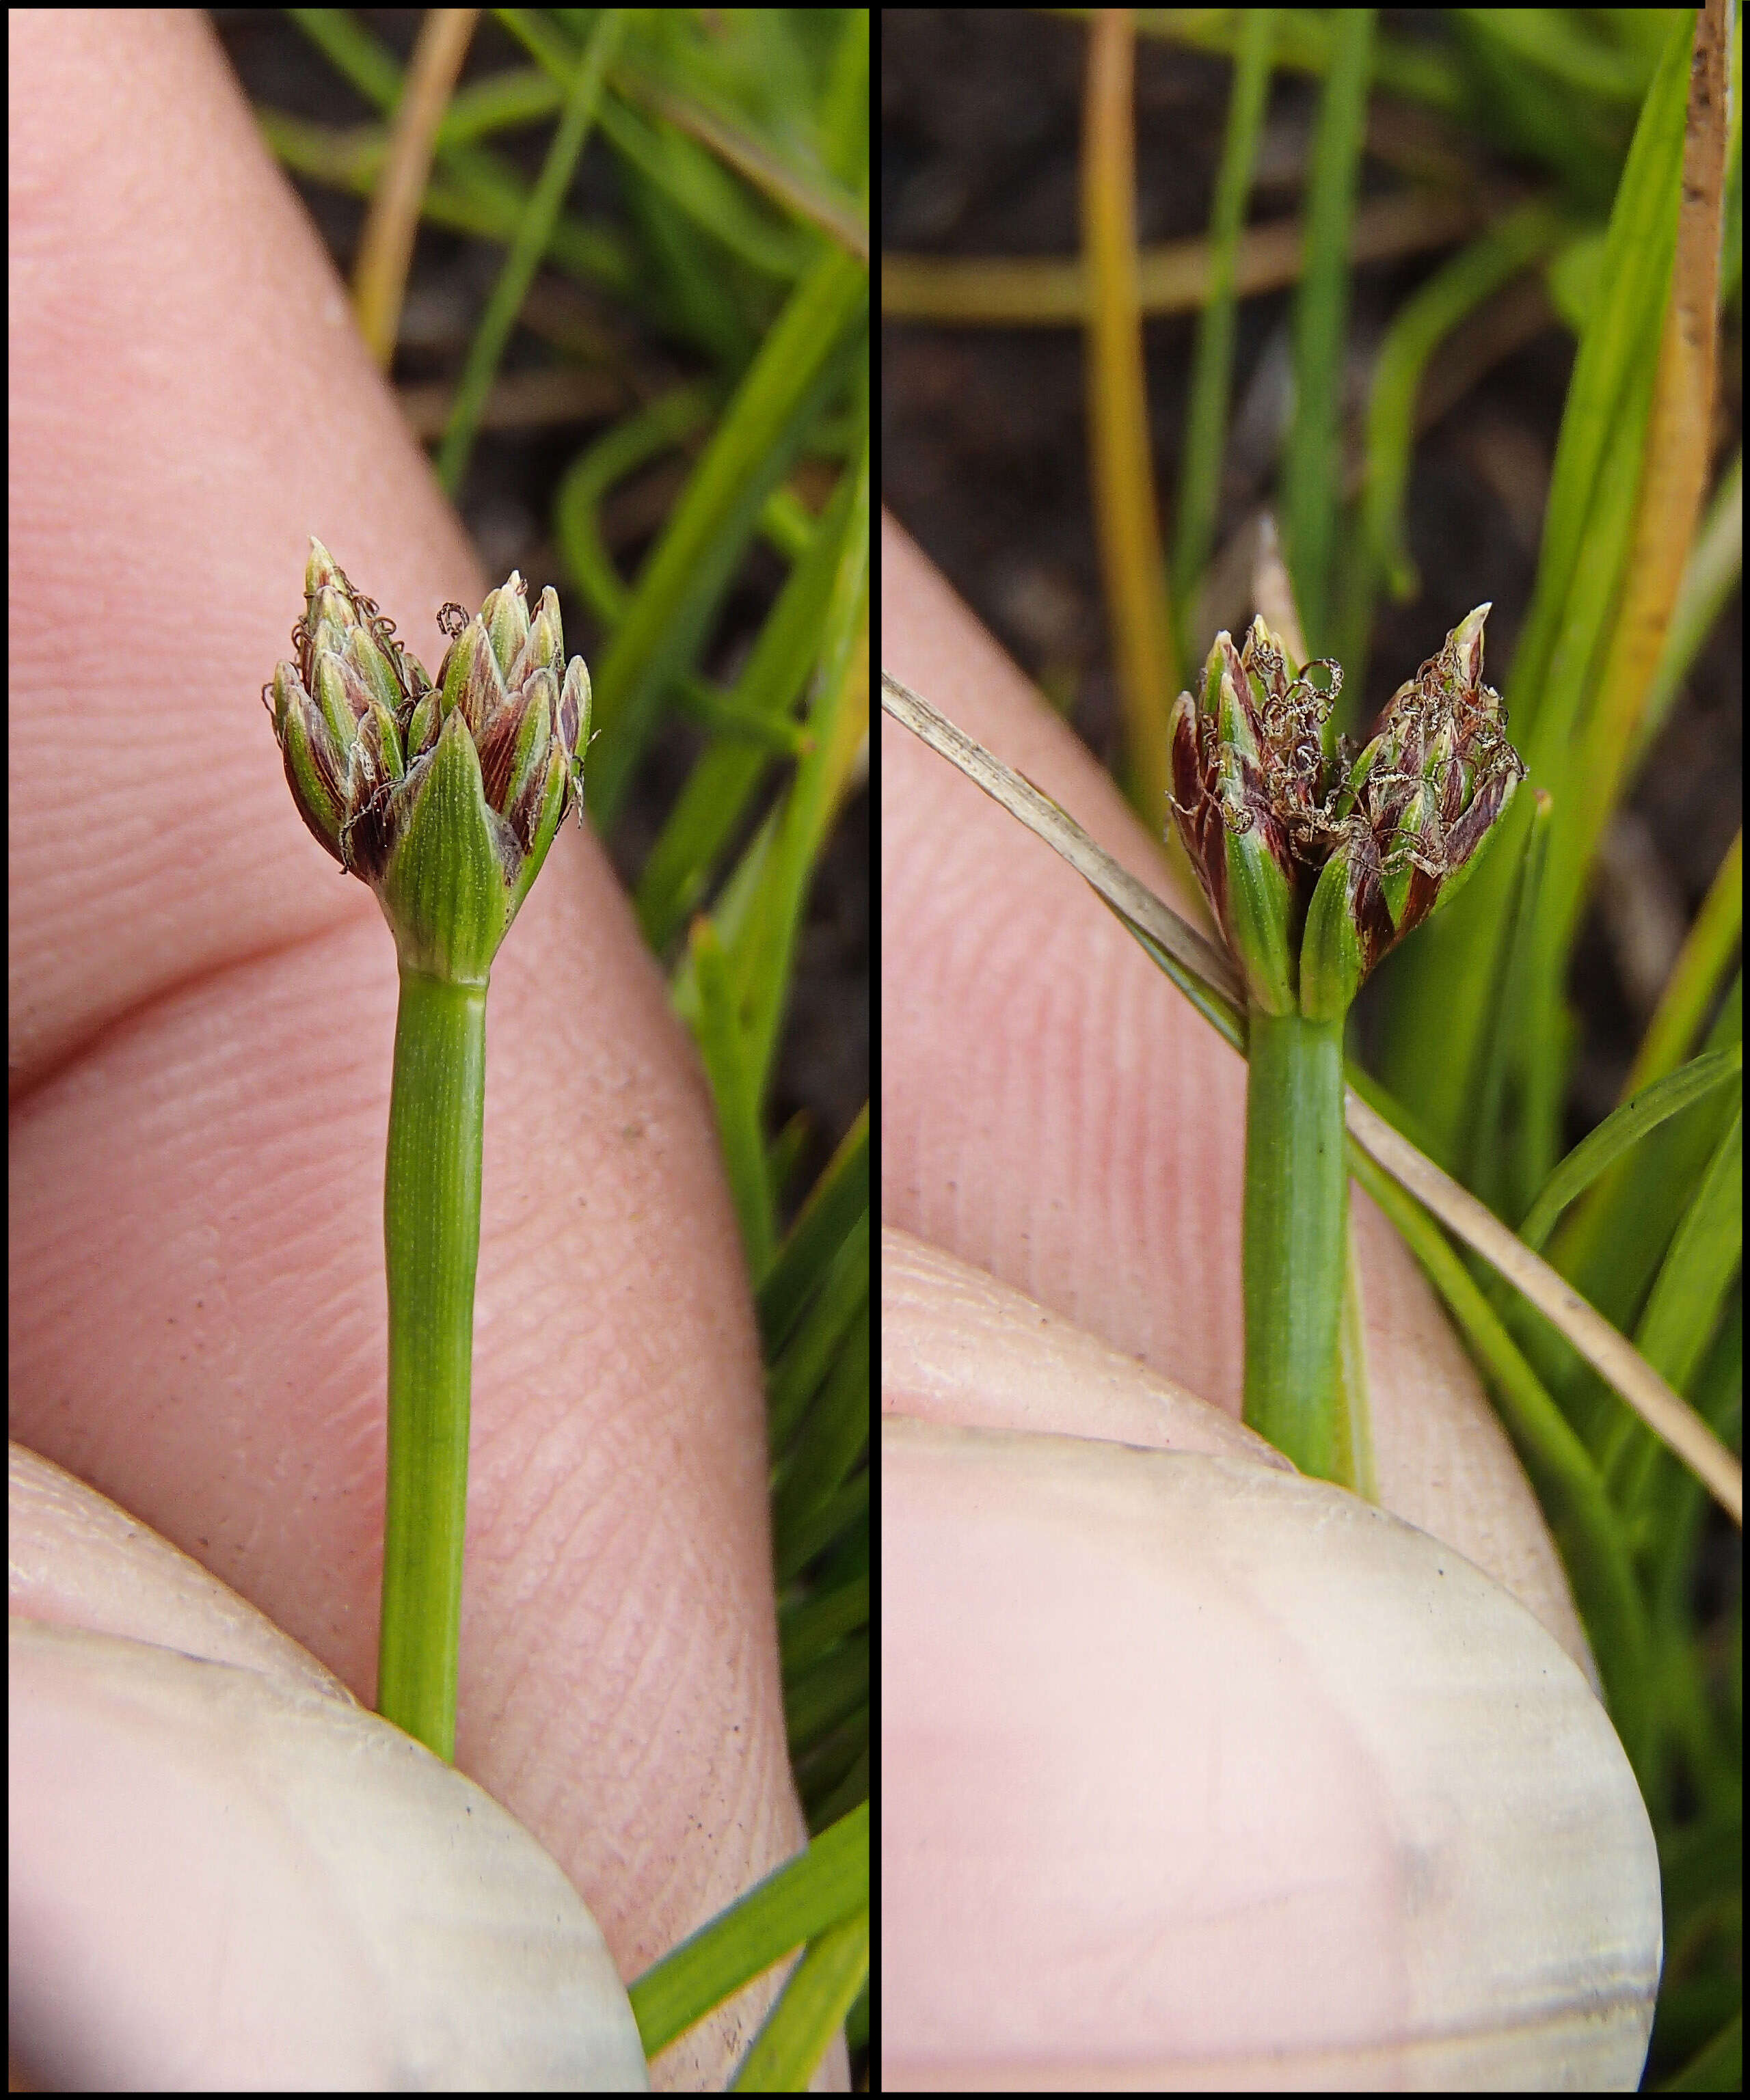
354, 52
801, 2025
831, 1764
1418, 328
1712, 579
1557, 41
483, 194
503, 102
827, 1807
746, 716
800, 1369
726, 718
1525, 93
1695, 1285
1622, 1131
681, 865
808, 1629
825, 1222
1431, 1065
806, 1896
697, 184
1488, 1164
1698, 974
1667, 508
583, 100
823, 1695
834, 1433
1306, 42
1611, 1248
1676, 1502
631, 444
844, 107
686, 573
734, 907
857, 2020
1717, 2065
723, 1046
1212, 370
838, 723
824, 1525
1692, 1284
1312, 465
798, 191
783, 1156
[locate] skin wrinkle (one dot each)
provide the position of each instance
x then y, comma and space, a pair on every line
527, 1571
75, 1052
1039, 1066
76, 1560
191, 852
958, 1347
647, 1645
1036, 1069
241, 922
738, 1805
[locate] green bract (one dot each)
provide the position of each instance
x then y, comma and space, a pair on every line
444, 798
1260, 906
1317, 862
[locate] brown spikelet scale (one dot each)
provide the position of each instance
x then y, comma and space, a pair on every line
1258, 785
441, 797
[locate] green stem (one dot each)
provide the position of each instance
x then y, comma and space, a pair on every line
1296, 1242
431, 1234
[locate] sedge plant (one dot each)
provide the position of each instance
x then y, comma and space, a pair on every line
1623, 219
444, 798
703, 180
1317, 859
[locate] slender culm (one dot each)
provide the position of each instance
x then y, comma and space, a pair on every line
1317, 860
431, 1241
445, 797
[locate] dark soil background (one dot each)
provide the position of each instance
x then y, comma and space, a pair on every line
984, 457
507, 507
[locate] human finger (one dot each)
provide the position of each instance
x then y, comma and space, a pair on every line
201, 1018
1198, 1773
218, 1877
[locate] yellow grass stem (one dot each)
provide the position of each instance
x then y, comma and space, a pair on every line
1127, 526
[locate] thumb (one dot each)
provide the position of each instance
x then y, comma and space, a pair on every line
225, 1872
1195, 1771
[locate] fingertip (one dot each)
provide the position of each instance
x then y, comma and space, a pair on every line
1199, 1773
218, 1880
